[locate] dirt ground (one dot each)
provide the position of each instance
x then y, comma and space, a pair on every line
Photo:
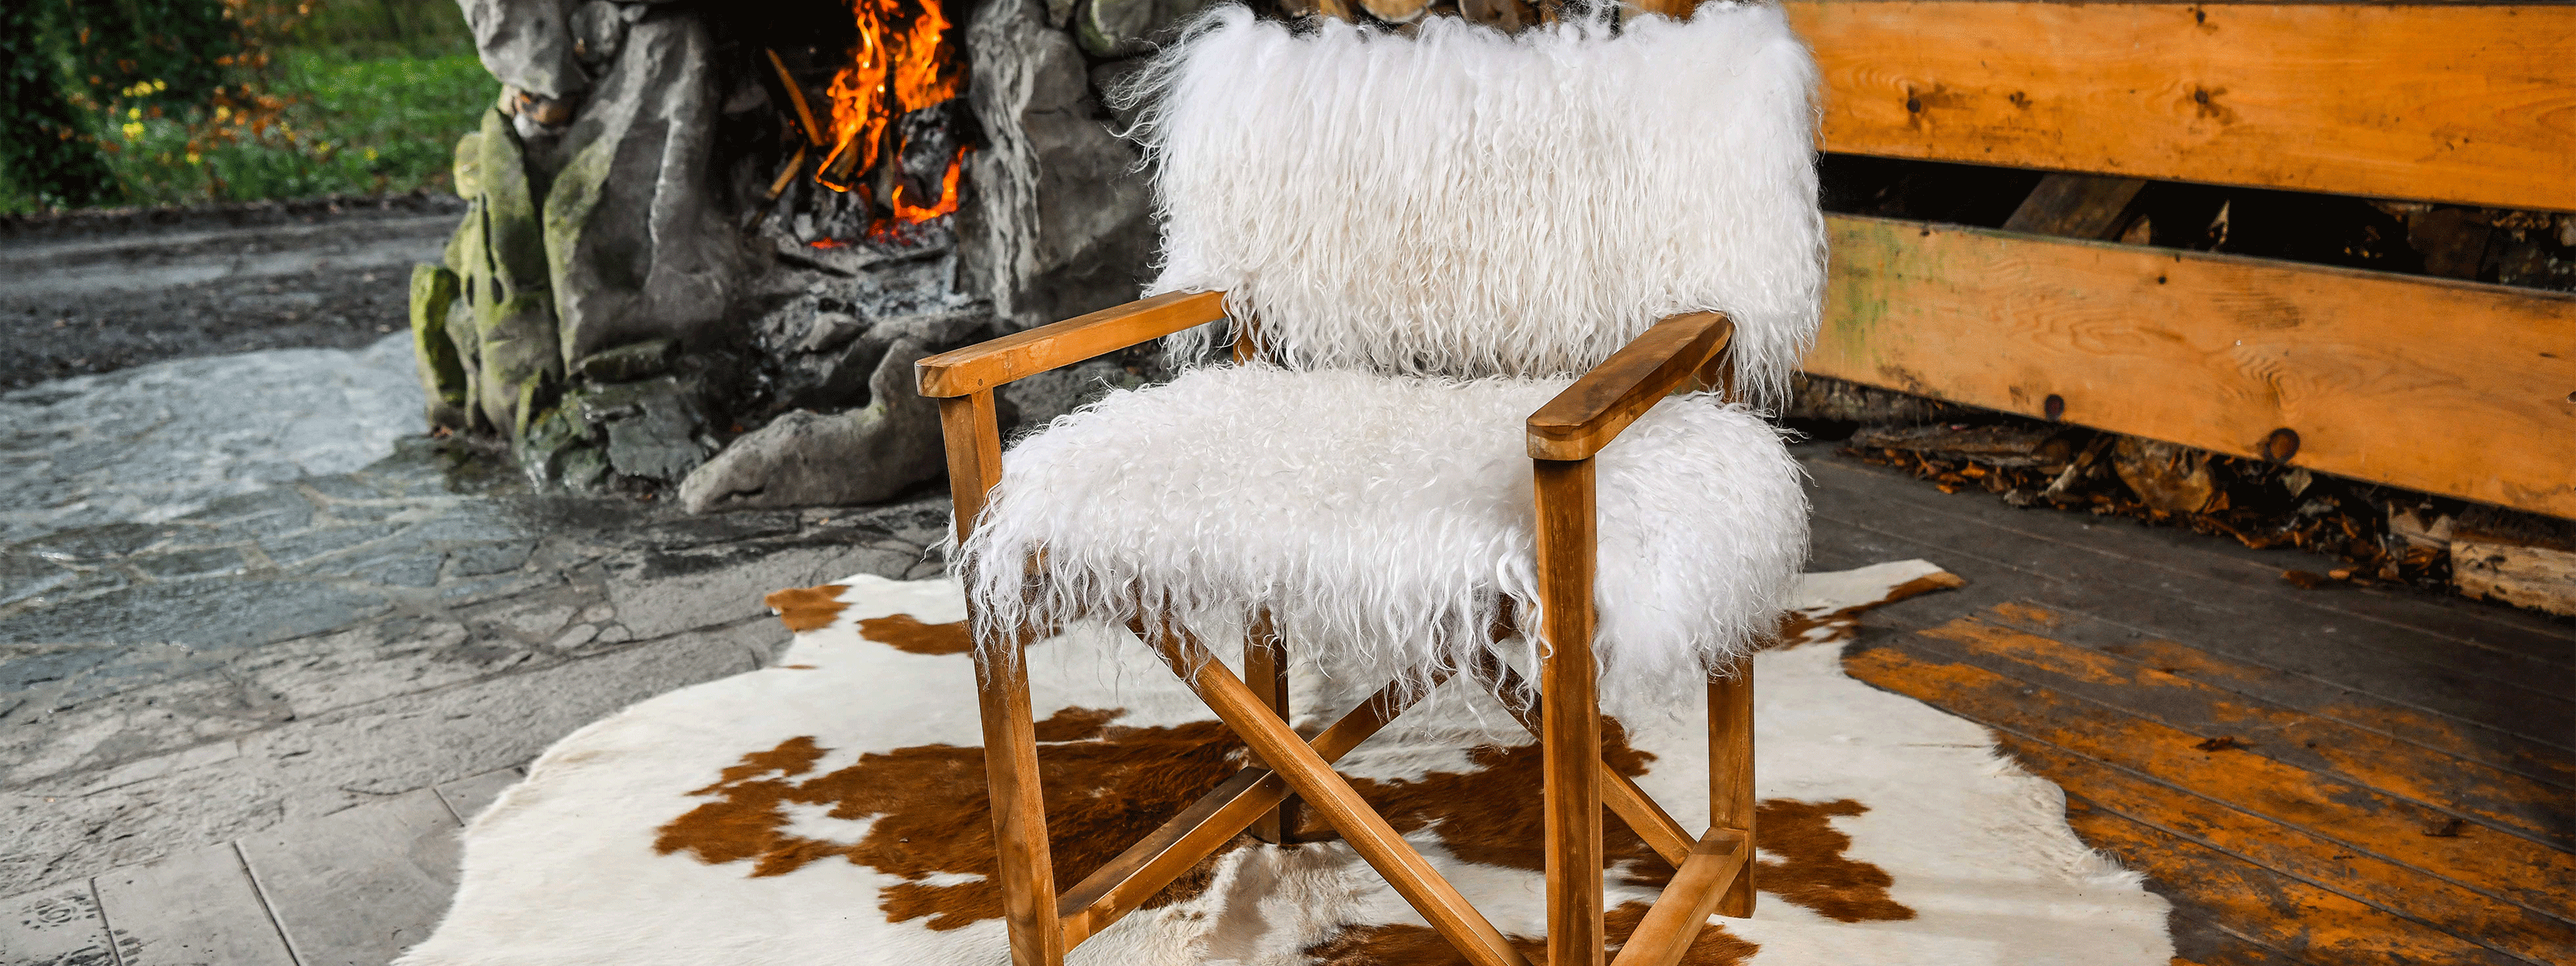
97, 292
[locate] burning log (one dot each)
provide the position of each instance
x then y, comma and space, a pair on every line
796, 96
894, 147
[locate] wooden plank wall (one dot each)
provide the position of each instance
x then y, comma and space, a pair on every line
2436, 385
2473, 104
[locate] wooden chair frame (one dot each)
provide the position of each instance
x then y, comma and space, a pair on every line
1713, 872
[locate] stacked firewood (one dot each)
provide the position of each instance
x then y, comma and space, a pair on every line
2383, 535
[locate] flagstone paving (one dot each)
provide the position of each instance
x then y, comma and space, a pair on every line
298, 644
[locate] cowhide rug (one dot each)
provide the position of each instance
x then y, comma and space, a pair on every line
832, 810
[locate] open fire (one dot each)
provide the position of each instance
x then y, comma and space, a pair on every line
893, 138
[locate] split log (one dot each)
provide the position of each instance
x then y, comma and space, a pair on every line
1508, 16
1397, 11
2077, 206
2517, 558
2005, 446
2166, 476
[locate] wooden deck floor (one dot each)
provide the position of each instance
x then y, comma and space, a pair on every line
2318, 777
2311, 776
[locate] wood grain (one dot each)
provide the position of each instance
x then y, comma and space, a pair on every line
362, 885
1730, 770
2461, 740
2466, 103
2076, 206
196, 907
2316, 924
2131, 575
1362, 828
1591, 412
2386, 886
2132, 593
2473, 791
2392, 830
1027, 870
1570, 721
1719, 860
1019, 807
1265, 669
985, 365
1135, 875
2448, 387
970, 429
1620, 793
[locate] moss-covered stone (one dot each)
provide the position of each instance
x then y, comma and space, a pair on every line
556, 446
442, 371
501, 263
627, 363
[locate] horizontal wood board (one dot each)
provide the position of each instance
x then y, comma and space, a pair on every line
2283, 846
2448, 387
2472, 104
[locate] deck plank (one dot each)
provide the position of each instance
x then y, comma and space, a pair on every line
2502, 866
356, 888
1838, 546
2369, 658
196, 908
2275, 909
2200, 942
2467, 741
2497, 925
2476, 792
60, 926
2483, 639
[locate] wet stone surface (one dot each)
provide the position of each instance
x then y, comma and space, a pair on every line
253, 635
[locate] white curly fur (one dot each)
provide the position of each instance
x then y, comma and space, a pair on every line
1461, 202
1383, 520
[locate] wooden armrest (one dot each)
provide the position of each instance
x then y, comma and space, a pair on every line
985, 365
1590, 413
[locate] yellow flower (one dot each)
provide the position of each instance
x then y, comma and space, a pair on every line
133, 131
134, 114
195, 158
223, 113
371, 154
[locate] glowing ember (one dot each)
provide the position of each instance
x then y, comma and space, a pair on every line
904, 62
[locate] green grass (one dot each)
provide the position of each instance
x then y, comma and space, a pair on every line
356, 125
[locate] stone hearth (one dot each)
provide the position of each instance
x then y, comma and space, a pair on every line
653, 294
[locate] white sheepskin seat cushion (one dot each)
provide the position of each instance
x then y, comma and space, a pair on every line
1383, 520
1468, 203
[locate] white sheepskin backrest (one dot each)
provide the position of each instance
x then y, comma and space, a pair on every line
1468, 203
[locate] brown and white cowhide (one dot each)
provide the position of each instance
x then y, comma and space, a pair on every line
832, 810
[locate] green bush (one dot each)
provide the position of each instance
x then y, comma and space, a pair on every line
359, 97
349, 126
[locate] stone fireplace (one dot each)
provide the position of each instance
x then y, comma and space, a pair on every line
706, 244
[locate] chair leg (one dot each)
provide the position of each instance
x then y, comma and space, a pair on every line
1730, 771
1571, 714
1019, 811
974, 447
1265, 668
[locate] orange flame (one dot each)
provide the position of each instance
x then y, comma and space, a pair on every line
909, 213
904, 62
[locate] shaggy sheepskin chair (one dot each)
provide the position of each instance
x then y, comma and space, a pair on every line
1435, 234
